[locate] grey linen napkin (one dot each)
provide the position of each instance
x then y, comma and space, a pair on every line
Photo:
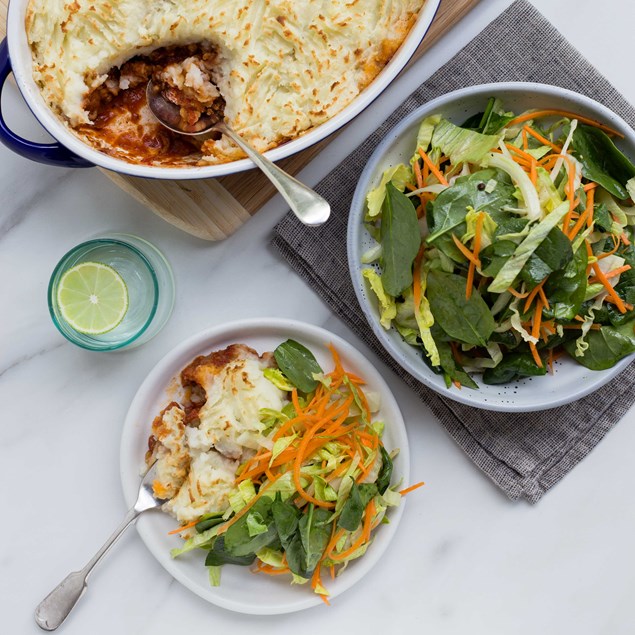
524, 454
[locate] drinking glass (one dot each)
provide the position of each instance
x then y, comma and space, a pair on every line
148, 277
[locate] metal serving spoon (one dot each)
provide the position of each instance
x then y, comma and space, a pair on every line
56, 606
306, 204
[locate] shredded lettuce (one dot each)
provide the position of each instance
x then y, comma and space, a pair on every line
520, 178
255, 524
387, 306
199, 540
547, 192
277, 378
521, 255
272, 557
424, 135
425, 321
280, 445
488, 229
462, 145
581, 345
398, 175
214, 575
516, 323
323, 491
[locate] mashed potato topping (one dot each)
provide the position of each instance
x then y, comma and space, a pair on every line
282, 66
199, 444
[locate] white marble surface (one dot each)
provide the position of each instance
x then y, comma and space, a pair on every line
465, 560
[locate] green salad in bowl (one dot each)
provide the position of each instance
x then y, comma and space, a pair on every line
503, 242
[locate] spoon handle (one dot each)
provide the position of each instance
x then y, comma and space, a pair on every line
57, 605
306, 204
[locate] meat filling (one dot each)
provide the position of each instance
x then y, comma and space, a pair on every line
122, 119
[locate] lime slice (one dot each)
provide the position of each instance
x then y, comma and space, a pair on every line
92, 297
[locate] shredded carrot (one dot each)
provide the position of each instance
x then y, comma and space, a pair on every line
616, 241
533, 174
619, 303
469, 283
535, 355
595, 327
517, 294
550, 361
433, 168
247, 507
524, 138
363, 536
521, 153
465, 251
589, 186
585, 217
611, 274
537, 317
625, 240
418, 177
543, 297
457, 383
543, 140
412, 488
416, 275
534, 292
562, 113
178, 530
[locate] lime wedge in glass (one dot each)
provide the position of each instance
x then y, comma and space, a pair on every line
93, 298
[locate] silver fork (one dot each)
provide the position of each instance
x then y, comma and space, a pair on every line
56, 606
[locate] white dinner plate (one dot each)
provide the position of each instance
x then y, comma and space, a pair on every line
241, 590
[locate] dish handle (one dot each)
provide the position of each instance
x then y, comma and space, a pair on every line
48, 153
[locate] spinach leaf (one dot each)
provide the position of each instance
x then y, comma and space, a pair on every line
453, 369
565, 289
353, 509
296, 556
602, 218
606, 346
286, 517
552, 254
494, 256
385, 473
601, 161
468, 321
489, 122
513, 366
219, 555
238, 539
400, 240
298, 364
450, 206
208, 521
315, 532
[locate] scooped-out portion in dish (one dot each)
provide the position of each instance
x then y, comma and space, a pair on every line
271, 462
506, 242
121, 121
272, 70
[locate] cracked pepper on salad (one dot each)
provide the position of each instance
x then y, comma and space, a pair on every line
271, 462
506, 243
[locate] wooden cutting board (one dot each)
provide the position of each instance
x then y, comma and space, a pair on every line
213, 209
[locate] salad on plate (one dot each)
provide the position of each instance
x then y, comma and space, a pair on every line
506, 242
269, 461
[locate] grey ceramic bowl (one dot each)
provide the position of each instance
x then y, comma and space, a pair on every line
570, 380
